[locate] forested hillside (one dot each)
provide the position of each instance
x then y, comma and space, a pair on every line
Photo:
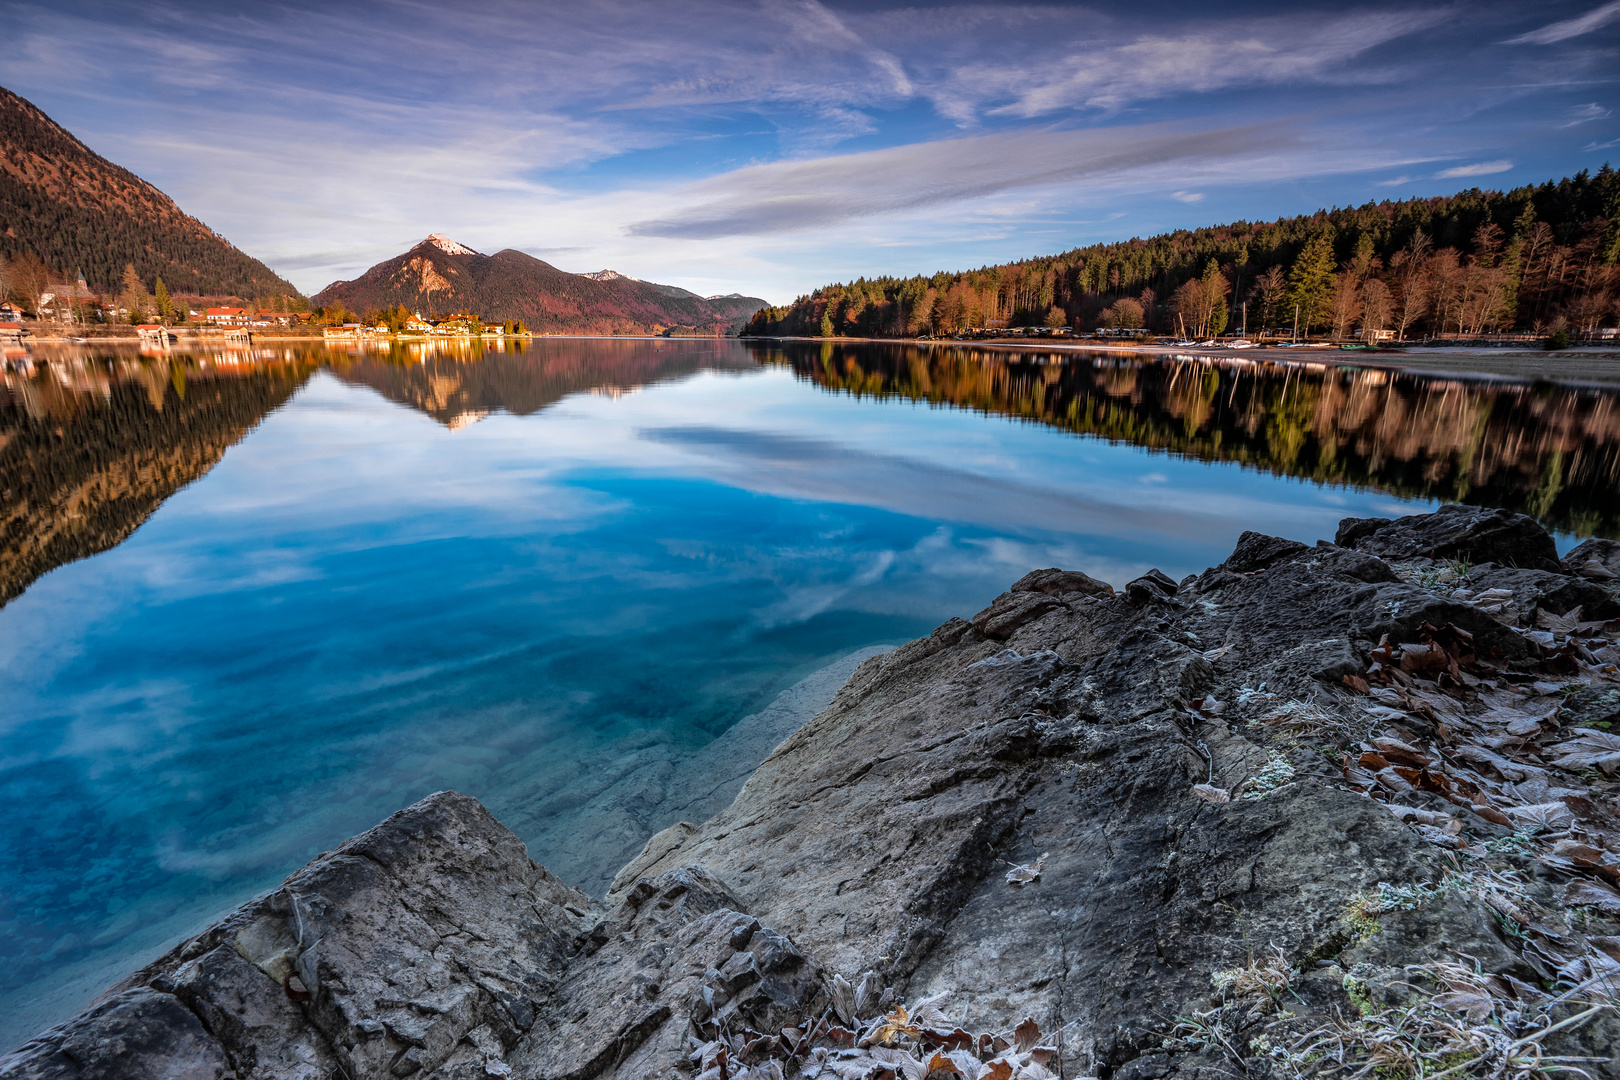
65, 204
1536, 258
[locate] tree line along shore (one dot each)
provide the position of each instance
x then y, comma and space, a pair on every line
1538, 260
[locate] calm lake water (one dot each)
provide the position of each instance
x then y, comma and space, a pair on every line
256, 602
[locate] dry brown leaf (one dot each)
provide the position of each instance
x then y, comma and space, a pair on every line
1024, 873
1589, 749
1472, 1005
1552, 815
1584, 893
894, 1025
1580, 854
1026, 1035
997, 1070
940, 1063
1398, 753
1558, 624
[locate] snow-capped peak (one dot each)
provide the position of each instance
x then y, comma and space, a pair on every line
608, 275
448, 246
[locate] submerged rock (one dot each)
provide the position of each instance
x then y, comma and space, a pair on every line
1179, 829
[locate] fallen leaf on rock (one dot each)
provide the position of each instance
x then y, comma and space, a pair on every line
894, 1025
1553, 815
1373, 762
1417, 658
1398, 753
1524, 726
1492, 814
1390, 779
1207, 792
950, 1040
1587, 750
1024, 873
1558, 624
1026, 1035
1580, 854
1472, 1005
1594, 570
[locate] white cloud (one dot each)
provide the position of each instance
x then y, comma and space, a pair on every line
1582, 114
784, 197
1206, 58
1187, 196
1397, 182
1483, 168
1610, 145
1595, 19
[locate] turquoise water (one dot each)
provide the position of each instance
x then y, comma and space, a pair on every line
359, 605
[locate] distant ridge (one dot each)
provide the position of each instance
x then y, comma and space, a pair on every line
78, 211
440, 275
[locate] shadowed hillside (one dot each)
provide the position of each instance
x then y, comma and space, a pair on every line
77, 210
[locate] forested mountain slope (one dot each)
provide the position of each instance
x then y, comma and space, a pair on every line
1537, 257
66, 204
441, 276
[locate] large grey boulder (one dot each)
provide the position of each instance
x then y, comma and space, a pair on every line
1472, 534
376, 959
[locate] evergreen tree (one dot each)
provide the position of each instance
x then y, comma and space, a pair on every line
1310, 282
826, 329
1611, 236
1215, 290
160, 296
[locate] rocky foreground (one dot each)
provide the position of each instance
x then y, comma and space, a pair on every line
1348, 809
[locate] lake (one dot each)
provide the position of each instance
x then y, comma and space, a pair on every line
255, 601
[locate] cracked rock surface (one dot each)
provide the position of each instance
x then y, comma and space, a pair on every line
1180, 826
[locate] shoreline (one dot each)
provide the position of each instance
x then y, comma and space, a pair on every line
1591, 366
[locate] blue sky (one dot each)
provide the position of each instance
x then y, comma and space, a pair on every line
769, 147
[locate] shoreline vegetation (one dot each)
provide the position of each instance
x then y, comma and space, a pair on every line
1317, 811
1540, 259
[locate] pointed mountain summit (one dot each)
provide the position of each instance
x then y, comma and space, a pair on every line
440, 275
77, 210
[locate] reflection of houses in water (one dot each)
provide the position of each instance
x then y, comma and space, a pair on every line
354, 332
465, 419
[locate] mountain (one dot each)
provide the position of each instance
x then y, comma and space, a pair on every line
77, 210
440, 275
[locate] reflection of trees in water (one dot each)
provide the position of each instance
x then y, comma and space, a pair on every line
1549, 451
89, 449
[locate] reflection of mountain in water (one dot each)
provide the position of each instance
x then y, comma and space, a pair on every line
1549, 451
89, 449
458, 391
